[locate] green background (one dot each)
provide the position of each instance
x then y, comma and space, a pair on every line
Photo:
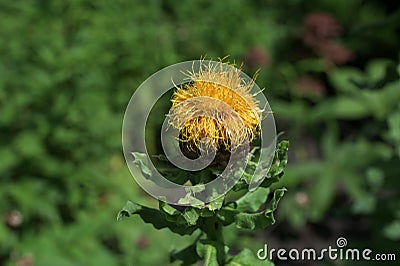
68, 68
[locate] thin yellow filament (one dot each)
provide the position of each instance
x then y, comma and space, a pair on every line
215, 106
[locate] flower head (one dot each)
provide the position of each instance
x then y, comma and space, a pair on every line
215, 109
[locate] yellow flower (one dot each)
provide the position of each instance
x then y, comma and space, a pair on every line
215, 107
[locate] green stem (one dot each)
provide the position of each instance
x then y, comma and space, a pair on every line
212, 227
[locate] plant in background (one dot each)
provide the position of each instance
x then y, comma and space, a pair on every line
61, 169
350, 167
202, 113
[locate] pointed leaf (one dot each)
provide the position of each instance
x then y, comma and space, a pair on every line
260, 220
253, 200
141, 160
227, 214
188, 255
216, 204
211, 252
278, 165
154, 217
191, 215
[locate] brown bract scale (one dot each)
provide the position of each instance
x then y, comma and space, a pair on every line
215, 110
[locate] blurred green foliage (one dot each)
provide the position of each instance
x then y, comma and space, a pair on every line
68, 69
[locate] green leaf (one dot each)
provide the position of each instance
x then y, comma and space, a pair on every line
171, 214
341, 79
28, 144
190, 200
321, 194
187, 217
227, 214
247, 258
357, 104
278, 165
129, 209
141, 160
216, 204
376, 69
274, 174
392, 230
154, 217
375, 177
260, 220
168, 209
348, 107
385, 99
188, 255
365, 205
398, 69
8, 159
191, 215
252, 200
211, 252
393, 122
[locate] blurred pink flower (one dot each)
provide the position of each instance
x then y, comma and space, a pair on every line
335, 53
13, 219
142, 242
308, 85
25, 261
320, 31
256, 57
302, 199
320, 26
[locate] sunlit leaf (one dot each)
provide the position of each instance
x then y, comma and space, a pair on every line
211, 252
247, 258
260, 220
154, 217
